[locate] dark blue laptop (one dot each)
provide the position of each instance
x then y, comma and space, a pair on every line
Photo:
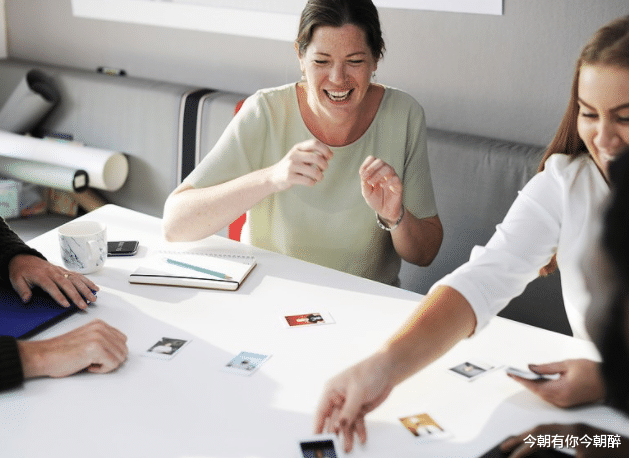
25, 320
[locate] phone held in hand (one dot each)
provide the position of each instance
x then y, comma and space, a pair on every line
530, 375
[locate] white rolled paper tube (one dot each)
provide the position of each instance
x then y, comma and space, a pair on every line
50, 175
32, 98
106, 169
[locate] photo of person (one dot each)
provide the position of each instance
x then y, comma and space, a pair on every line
318, 449
422, 425
305, 319
167, 346
469, 370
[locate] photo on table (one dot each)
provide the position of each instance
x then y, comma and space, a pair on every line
472, 369
424, 427
323, 446
245, 363
307, 319
166, 348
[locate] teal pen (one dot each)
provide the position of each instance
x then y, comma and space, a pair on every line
198, 269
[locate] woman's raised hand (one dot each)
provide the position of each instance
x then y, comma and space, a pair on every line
304, 164
382, 188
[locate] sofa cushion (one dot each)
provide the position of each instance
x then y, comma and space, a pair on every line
476, 180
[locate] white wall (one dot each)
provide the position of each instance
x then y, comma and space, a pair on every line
501, 76
3, 31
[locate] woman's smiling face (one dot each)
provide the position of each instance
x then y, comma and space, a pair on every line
603, 122
337, 65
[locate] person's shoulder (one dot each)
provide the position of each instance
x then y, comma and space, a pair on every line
272, 94
398, 101
399, 96
571, 167
267, 100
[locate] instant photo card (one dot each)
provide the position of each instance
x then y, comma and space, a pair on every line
307, 319
472, 369
245, 363
424, 427
166, 348
321, 446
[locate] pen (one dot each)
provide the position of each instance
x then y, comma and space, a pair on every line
198, 269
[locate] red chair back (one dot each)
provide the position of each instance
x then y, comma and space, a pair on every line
235, 229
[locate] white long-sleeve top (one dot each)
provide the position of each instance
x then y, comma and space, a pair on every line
556, 212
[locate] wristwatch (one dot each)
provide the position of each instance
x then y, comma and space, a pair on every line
384, 225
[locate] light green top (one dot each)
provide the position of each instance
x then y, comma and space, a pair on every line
330, 223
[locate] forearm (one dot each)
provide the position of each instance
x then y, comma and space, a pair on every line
418, 240
441, 320
32, 358
193, 214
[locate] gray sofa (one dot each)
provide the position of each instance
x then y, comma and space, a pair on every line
165, 128
475, 181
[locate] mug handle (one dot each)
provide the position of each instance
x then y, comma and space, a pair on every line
94, 250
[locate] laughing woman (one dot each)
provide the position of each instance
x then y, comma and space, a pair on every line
376, 204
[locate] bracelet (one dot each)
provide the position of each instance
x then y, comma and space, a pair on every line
384, 226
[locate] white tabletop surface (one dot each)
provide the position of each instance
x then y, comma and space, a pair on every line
187, 407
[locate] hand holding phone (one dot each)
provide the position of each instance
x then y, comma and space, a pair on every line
530, 375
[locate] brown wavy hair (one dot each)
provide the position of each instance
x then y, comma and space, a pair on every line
337, 13
608, 46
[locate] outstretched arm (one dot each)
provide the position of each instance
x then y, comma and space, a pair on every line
441, 320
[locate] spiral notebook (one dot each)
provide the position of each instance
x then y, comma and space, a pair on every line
194, 270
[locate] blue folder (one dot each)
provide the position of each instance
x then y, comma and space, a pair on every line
25, 320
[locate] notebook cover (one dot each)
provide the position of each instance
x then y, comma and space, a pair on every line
25, 320
196, 270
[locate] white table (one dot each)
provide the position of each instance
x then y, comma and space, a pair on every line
187, 407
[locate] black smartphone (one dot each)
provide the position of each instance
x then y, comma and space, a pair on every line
122, 248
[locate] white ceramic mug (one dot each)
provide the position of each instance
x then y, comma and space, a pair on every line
83, 245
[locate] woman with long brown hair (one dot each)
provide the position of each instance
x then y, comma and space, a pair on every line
554, 216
